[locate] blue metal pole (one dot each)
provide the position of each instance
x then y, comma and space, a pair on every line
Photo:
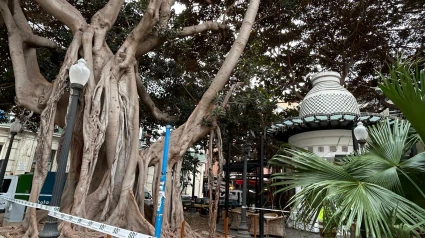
161, 194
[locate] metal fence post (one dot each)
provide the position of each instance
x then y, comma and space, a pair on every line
161, 194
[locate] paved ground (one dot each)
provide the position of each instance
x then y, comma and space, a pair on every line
200, 224
290, 233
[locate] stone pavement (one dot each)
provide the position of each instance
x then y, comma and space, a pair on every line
290, 233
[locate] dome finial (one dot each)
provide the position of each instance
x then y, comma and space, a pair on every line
328, 97
326, 77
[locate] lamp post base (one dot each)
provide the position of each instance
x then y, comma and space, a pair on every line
50, 230
243, 234
243, 230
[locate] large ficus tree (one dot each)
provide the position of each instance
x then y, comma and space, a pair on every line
107, 169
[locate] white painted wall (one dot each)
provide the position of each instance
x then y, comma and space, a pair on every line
149, 180
320, 142
23, 150
324, 138
199, 182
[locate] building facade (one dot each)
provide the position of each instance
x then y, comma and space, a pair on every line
22, 154
22, 157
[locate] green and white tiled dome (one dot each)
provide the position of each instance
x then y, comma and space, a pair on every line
327, 106
327, 97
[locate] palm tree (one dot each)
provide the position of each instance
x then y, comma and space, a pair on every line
405, 87
365, 188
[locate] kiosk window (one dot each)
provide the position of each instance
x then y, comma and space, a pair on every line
5, 185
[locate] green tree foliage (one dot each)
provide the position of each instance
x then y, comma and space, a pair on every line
295, 39
189, 167
290, 40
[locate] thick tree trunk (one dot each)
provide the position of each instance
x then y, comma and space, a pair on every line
102, 180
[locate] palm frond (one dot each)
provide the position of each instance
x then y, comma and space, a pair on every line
347, 186
414, 165
383, 173
390, 141
387, 145
357, 202
309, 167
405, 87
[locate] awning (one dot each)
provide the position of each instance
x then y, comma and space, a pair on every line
252, 166
240, 182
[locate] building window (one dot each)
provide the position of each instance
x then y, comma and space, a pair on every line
1, 147
5, 185
321, 149
344, 148
333, 148
52, 159
33, 165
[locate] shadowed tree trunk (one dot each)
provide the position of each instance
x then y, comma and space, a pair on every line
105, 152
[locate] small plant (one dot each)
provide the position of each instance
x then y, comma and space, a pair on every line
330, 223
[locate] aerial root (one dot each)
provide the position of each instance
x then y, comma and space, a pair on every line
32, 229
11, 231
67, 231
127, 214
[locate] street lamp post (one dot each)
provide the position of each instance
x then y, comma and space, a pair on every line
243, 228
15, 127
193, 182
261, 218
360, 132
194, 154
78, 75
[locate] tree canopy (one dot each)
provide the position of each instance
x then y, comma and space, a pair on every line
291, 40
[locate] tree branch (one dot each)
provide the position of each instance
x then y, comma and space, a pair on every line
318, 56
228, 9
149, 44
152, 41
222, 76
230, 92
7, 85
103, 20
385, 103
146, 99
65, 13
30, 42
128, 49
194, 128
165, 11
37, 41
291, 84
209, 25
28, 89
25, 30
297, 94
